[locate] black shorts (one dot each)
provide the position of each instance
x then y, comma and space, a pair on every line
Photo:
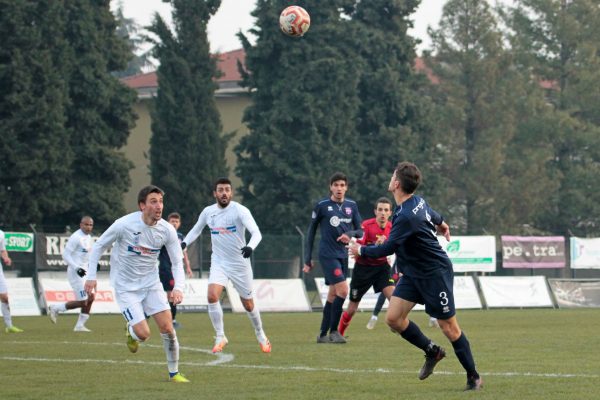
166, 278
436, 293
365, 276
335, 270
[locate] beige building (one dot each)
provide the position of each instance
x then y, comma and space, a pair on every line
231, 102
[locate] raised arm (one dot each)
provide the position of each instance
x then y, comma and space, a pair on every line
196, 230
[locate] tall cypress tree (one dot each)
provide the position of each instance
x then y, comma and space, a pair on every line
99, 115
302, 120
395, 117
187, 149
35, 154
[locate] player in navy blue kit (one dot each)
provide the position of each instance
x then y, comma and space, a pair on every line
340, 220
164, 266
428, 275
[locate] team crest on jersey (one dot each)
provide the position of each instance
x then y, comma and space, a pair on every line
329, 208
348, 210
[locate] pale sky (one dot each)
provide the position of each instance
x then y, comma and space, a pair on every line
234, 15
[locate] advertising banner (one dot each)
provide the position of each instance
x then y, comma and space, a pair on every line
273, 295
19, 241
533, 252
576, 293
471, 253
515, 291
585, 253
50, 248
59, 291
465, 293
195, 295
23, 301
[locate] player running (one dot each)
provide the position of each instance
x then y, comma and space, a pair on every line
76, 255
228, 221
138, 238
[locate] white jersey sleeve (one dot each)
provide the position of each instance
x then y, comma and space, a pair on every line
176, 256
102, 244
2, 244
249, 223
197, 229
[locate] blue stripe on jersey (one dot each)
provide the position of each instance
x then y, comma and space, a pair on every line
229, 229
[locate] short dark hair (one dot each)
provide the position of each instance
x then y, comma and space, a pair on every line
384, 200
174, 215
338, 176
221, 181
409, 176
146, 190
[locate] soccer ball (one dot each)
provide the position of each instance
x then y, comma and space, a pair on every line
294, 21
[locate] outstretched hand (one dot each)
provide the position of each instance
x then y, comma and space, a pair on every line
353, 249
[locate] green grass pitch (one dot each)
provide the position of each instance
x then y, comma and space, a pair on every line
521, 354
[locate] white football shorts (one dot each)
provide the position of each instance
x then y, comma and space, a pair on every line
77, 283
240, 275
136, 305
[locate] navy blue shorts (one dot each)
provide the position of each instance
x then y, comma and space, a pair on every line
436, 293
335, 270
365, 276
166, 278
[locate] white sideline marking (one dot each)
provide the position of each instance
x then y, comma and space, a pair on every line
223, 359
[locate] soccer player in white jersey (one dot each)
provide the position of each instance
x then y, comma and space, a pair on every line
10, 328
138, 238
76, 255
228, 221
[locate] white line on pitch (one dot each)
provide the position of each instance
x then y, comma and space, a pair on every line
229, 357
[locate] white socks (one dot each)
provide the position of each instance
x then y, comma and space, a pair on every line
82, 319
215, 312
171, 346
132, 333
6, 314
60, 307
254, 316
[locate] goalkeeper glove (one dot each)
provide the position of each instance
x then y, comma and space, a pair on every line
246, 251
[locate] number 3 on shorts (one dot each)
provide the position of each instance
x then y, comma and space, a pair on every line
444, 297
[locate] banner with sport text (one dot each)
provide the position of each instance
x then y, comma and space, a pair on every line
19, 242
576, 293
471, 253
273, 295
533, 252
49, 250
585, 253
